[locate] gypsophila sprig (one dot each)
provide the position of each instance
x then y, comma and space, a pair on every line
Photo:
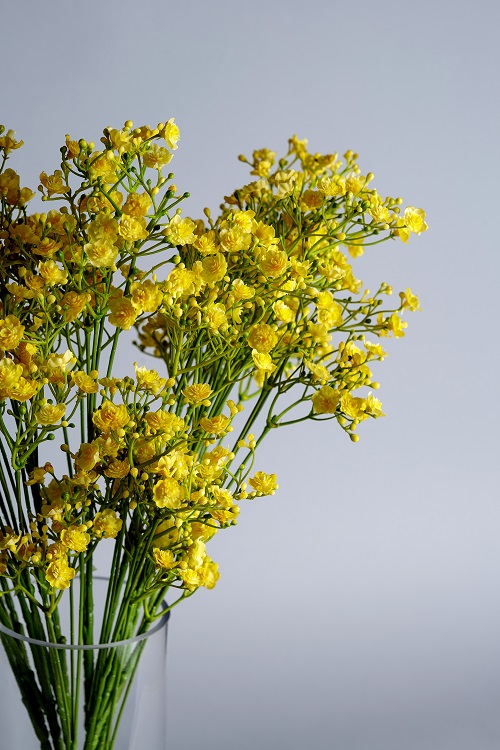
256, 320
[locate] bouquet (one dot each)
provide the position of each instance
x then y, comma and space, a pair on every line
254, 319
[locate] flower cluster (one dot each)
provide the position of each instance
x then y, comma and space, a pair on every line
250, 310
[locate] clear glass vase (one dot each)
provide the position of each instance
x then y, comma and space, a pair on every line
67, 696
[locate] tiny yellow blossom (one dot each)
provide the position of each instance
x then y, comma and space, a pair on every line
137, 205
54, 183
263, 362
164, 422
180, 231
11, 332
51, 273
414, 219
149, 380
111, 417
107, 524
214, 268
123, 312
171, 134
262, 338
197, 393
164, 558
73, 303
215, 425
117, 469
146, 296
49, 414
409, 300
168, 493
132, 229
9, 376
101, 254
59, 574
87, 457
264, 484
75, 538
326, 400
156, 156
274, 263
85, 383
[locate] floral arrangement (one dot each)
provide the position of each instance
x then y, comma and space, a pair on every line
256, 320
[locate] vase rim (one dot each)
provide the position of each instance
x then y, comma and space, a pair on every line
163, 618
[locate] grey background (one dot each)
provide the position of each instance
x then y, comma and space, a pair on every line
358, 609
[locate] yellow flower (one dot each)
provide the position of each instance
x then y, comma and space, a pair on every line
375, 349
117, 469
156, 156
132, 229
23, 390
263, 362
234, 239
11, 332
60, 361
73, 304
164, 422
168, 493
101, 254
87, 457
50, 413
85, 383
274, 263
409, 300
9, 376
146, 296
206, 575
164, 558
319, 371
214, 268
262, 337
414, 219
283, 312
75, 538
123, 313
394, 325
149, 380
179, 281
215, 425
180, 231
264, 484
103, 229
214, 316
54, 183
326, 400
353, 406
241, 292
171, 134
59, 574
51, 273
137, 204
8, 142
373, 406
111, 417
197, 393
206, 243
377, 210
107, 524
356, 250
103, 164
332, 187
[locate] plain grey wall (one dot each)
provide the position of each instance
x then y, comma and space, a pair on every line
359, 608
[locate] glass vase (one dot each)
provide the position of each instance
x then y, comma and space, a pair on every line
98, 696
